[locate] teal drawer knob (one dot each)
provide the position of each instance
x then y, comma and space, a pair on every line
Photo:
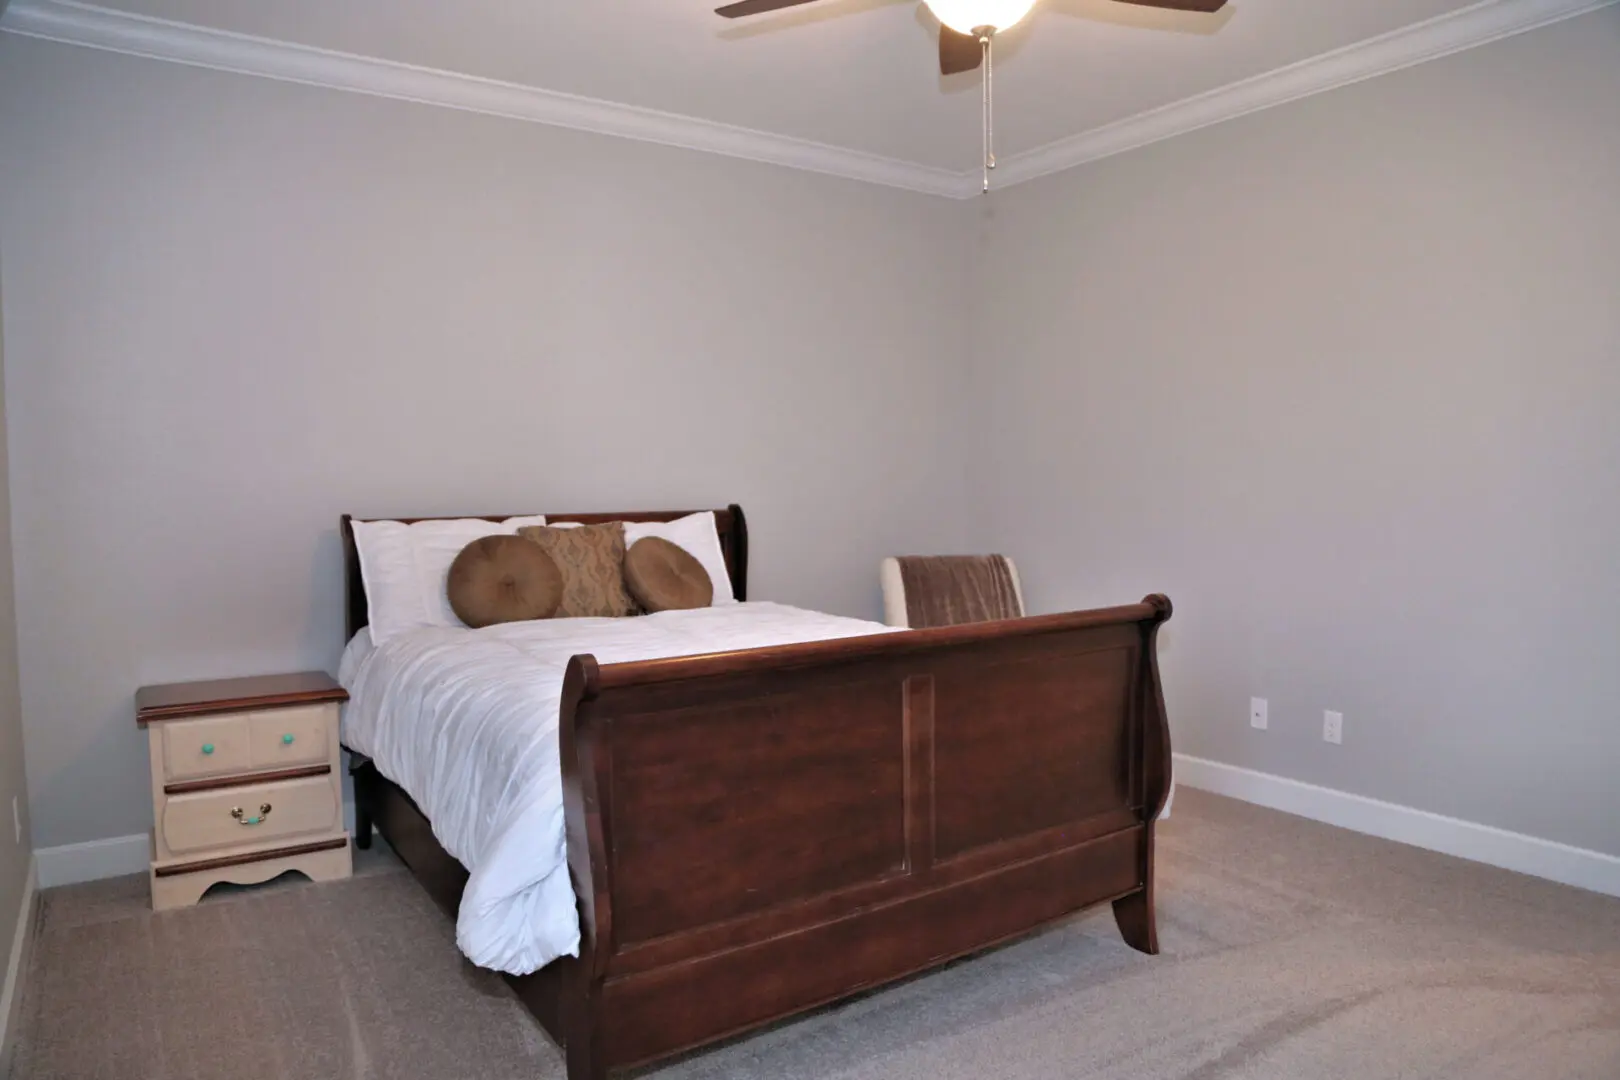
208, 748
286, 740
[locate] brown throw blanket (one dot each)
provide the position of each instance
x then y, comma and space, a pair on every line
944, 590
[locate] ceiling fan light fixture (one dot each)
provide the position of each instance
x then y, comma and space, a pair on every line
967, 16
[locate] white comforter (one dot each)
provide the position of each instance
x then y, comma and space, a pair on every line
466, 722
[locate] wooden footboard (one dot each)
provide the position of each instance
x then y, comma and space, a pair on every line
754, 833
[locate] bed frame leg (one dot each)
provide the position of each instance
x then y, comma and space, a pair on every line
582, 1045
362, 827
583, 1064
1137, 924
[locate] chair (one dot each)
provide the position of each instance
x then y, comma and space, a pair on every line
921, 591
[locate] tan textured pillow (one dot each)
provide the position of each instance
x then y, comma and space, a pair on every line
663, 576
591, 558
501, 579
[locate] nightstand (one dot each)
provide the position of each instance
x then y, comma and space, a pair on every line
245, 782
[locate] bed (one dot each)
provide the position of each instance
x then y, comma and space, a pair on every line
755, 832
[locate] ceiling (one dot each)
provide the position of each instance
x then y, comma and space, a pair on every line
858, 74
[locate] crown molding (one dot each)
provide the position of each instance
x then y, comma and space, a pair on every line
1466, 28
76, 23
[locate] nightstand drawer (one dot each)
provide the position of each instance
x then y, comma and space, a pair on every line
286, 737
231, 817
208, 747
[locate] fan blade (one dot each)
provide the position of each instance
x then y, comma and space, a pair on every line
958, 52
757, 7
1208, 7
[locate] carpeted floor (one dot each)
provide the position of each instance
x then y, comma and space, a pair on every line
1291, 950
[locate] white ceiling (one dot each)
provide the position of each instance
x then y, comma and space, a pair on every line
860, 74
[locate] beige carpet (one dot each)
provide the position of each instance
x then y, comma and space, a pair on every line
1292, 950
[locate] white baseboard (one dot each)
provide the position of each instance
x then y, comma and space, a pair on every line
1548, 859
94, 860
11, 994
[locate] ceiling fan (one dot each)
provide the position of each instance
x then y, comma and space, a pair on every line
965, 33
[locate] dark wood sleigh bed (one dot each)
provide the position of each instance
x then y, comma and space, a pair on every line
755, 833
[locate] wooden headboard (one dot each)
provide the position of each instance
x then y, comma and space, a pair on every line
730, 523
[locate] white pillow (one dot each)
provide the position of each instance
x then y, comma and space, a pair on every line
699, 535
405, 568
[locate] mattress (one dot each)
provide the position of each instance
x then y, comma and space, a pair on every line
465, 721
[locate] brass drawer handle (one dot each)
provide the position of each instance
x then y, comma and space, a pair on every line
264, 812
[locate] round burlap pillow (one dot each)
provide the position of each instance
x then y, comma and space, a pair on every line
663, 576
502, 579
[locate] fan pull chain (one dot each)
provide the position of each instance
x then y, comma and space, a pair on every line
989, 112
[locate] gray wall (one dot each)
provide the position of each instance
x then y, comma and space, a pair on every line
239, 308
1340, 377
1343, 379
14, 855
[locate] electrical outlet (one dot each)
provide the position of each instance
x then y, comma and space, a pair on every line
1333, 727
16, 818
1257, 713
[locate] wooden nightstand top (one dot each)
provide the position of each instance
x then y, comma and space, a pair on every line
176, 701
